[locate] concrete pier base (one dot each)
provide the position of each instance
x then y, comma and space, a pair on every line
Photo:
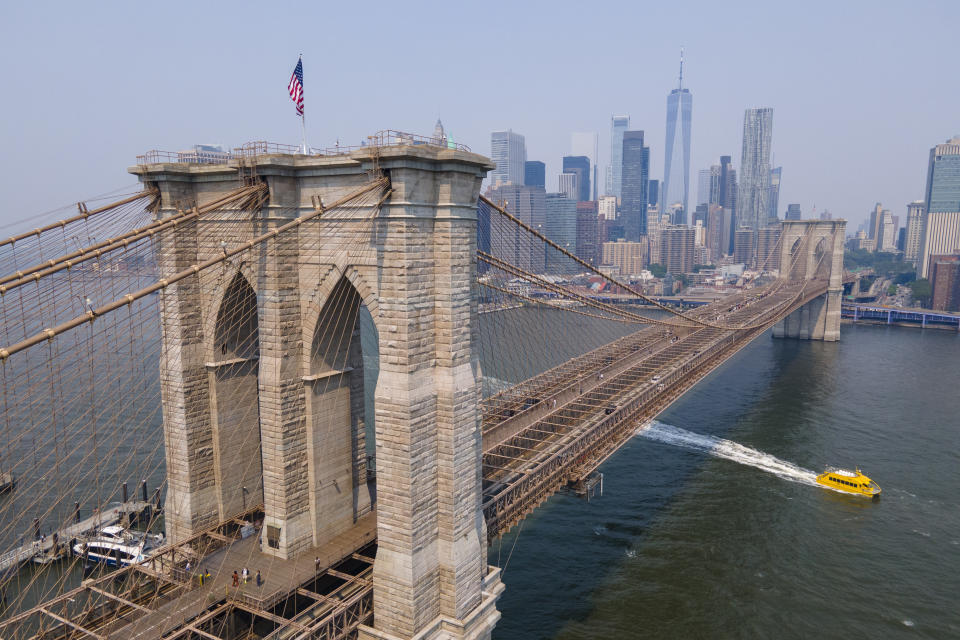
819, 319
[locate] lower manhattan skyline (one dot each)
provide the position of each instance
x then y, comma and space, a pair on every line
844, 139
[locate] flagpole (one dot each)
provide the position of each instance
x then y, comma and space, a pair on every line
303, 122
303, 130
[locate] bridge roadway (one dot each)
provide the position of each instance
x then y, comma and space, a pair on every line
555, 429
539, 436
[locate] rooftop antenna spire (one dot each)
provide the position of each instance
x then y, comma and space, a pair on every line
680, 85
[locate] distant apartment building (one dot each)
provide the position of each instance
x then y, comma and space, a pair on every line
768, 251
586, 143
636, 166
587, 230
913, 235
628, 257
607, 207
535, 174
561, 228
511, 243
579, 166
941, 234
567, 185
205, 154
945, 282
743, 246
508, 151
618, 124
678, 249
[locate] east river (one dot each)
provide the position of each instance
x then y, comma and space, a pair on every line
710, 525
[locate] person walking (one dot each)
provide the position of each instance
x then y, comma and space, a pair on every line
245, 574
259, 579
236, 579
316, 564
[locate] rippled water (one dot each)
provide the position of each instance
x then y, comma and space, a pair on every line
710, 525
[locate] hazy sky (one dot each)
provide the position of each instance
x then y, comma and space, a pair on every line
860, 90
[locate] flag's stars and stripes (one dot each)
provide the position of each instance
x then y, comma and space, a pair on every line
296, 87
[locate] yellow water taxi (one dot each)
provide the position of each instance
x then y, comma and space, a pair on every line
849, 482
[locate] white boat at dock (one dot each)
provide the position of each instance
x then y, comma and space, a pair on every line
118, 547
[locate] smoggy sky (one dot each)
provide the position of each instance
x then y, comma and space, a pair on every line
860, 90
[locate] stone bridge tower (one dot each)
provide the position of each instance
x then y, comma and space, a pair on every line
813, 249
257, 408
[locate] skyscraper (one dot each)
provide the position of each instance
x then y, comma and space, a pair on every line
793, 212
941, 235
914, 231
653, 192
618, 124
509, 242
728, 200
676, 164
774, 201
585, 143
535, 174
561, 227
587, 229
579, 165
636, 166
753, 198
509, 151
703, 186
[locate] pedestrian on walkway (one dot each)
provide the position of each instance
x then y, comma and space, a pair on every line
236, 579
316, 564
259, 579
245, 574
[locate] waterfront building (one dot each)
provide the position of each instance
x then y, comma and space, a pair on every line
618, 125
535, 174
636, 164
587, 231
580, 166
676, 165
945, 282
510, 242
754, 192
508, 151
561, 228
586, 143
628, 257
793, 212
914, 231
567, 185
941, 235
678, 249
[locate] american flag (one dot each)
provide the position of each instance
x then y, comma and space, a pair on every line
296, 87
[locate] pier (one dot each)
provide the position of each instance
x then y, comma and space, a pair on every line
52, 547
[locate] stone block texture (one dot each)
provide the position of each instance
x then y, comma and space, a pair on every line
262, 371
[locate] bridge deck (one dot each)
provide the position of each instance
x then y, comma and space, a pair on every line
593, 404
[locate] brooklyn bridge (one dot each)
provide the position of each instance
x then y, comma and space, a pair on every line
346, 373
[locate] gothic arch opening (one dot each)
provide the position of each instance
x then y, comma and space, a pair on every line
343, 365
235, 410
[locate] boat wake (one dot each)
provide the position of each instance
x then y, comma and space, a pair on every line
720, 448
